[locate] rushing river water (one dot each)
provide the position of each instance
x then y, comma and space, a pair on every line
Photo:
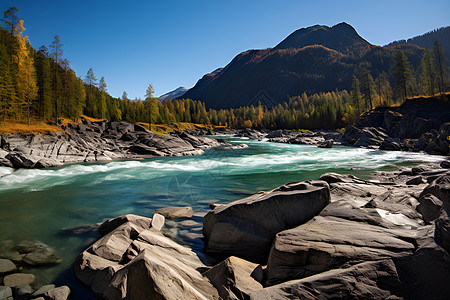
40, 204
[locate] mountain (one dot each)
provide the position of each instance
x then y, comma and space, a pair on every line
173, 94
314, 59
426, 40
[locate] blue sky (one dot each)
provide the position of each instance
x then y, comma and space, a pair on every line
174, 43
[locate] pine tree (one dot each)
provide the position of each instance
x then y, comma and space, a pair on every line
57, 54
427, 74
402, 74
102, 88
367, 88
148, 98
91, 81
356, 95
44, 82
440, 66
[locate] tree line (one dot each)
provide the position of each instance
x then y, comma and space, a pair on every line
40, 85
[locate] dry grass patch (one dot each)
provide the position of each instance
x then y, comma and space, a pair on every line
35, 127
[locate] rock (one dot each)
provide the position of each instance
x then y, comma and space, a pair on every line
152, 265
430, 207
94, 271
18, 279
329, 241
442, 232
335, 177
425, 274
143, 149
326, 144
20, 161
6, 266
175, 212
214, 205
114, 245
44, 289
4, 162
445, 164
232, 278
158, 221
48, 163
8, 250
415, 180
23, 291
351, 134
5, 292
188, 223
367, 280
391, 118
246, 227
440, 187
59, 293
40, 255
154, 274
111, 224
391, 144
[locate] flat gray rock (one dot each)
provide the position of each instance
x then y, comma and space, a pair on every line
175, 212
6, 266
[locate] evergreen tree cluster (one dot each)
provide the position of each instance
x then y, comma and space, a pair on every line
430, 78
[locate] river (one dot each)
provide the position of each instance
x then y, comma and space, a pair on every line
39, 204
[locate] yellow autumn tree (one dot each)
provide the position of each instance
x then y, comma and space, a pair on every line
248, 124
26, 73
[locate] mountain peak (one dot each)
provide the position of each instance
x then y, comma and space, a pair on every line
178, 92
341, 37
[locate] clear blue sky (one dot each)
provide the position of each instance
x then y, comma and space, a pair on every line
174, 43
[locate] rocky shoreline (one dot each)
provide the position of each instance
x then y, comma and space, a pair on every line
96, 142
340, 236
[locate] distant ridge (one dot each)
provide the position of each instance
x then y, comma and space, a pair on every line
310, 60
426, 40
178, 92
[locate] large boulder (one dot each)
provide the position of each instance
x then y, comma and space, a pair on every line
367, 280
233, 278
135, 261
155, 274
246, 227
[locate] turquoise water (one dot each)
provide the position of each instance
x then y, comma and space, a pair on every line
38, 204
